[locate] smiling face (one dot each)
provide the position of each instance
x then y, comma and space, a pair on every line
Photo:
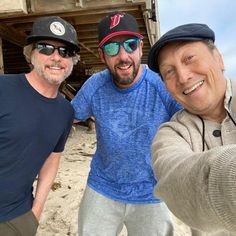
53, 68
124, 67
193, 74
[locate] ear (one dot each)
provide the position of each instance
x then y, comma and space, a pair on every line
141, 43
101, 55
219, 59
141, 48
32, 58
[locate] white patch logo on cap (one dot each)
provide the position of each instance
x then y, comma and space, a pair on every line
57, 28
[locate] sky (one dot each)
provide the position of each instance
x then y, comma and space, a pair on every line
219, 15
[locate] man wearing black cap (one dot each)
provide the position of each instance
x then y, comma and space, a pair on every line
34, 124
129, 102
194, 154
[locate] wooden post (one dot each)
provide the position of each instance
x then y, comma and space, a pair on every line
1, 58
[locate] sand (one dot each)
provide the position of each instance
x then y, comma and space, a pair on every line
60, 214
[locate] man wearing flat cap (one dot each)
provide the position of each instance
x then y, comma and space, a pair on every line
194, 155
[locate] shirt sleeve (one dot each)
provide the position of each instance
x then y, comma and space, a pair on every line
198, 187
81, 103
62, 141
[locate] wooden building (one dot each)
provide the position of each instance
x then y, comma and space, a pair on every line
17, 16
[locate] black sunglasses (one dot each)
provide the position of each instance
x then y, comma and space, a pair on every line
113, 48
48, 49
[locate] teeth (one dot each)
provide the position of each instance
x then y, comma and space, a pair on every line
54, 68
124, 67
187, 91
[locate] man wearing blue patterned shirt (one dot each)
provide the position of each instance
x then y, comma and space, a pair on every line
129, 102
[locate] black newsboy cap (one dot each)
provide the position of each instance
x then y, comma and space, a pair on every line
187, 32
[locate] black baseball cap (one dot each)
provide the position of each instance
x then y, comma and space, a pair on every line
53, 27
187, 32
117, 23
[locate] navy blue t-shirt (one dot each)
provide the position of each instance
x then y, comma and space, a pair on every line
31, 127
126, 123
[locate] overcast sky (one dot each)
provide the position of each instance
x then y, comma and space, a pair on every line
219, 15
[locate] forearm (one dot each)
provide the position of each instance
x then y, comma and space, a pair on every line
222, 186
45, 180
182, 184
196, 185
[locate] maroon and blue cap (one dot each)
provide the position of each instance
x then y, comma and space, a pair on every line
187, 32
117, 23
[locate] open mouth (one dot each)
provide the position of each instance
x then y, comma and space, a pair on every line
124, 66
54, 67
193, 88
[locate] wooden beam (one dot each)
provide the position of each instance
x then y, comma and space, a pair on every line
13, 7
1, 58
11, 35
88, 49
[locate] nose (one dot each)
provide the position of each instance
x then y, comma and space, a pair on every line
183, 74
56, 56
122, 53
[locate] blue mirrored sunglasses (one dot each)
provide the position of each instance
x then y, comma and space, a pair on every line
48, 49
113, 48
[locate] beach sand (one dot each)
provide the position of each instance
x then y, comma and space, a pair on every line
60, 214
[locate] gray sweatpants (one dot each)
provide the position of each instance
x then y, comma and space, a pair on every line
219, 233
101, 216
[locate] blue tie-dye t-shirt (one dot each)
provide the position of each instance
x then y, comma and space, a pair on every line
126, 122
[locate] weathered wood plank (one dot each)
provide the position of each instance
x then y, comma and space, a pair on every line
11, 35
13, 6
1, 58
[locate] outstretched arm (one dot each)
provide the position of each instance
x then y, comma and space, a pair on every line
198, 187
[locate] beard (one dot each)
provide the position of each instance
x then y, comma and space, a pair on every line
125, 79
52, 78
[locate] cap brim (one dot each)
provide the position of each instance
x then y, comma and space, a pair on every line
155, 50
34, 39
119, 33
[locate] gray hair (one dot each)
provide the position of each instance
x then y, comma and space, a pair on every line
210, 44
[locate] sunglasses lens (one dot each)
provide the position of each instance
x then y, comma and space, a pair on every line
45, 49
48, 50
67, 52
63, 52
130, 45
111, 49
